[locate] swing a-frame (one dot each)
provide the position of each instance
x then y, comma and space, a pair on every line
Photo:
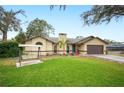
30, 56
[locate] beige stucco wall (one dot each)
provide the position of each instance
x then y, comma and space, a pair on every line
81, 48
47, 46
94, 41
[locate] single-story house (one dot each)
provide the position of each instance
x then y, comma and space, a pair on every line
62, 44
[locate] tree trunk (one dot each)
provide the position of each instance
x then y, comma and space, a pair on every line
4, 36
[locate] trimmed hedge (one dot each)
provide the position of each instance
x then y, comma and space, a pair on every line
9, 49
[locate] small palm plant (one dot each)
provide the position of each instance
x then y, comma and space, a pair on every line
62, 44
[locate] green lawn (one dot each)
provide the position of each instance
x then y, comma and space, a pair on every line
63, 71
122, 55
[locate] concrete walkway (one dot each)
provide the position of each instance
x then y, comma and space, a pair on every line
25, 63
111, 57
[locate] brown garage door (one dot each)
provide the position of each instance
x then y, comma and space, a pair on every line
94, 49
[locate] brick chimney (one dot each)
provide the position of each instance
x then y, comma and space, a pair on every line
62, 36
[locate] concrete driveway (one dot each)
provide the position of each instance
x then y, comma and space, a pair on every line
110, 57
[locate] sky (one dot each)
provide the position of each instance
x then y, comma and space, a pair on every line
69, 22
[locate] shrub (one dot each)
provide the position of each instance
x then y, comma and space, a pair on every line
9, 49
47, 54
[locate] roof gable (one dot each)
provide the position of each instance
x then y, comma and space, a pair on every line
40, 37
85, 40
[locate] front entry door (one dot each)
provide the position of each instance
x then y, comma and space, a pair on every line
67, 49
73, 49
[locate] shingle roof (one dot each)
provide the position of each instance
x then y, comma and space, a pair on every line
85, 39
54, 39
69, 40
74, 40
78, 40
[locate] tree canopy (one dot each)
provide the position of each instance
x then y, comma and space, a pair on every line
20, 37
102, 13
1, 12
9, 21
113, 41
39, 27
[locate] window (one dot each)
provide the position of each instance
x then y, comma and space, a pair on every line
39, 43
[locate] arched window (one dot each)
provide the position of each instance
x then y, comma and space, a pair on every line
39, 48
39, 43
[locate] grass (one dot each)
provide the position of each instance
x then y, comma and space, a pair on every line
121, 55
63, 71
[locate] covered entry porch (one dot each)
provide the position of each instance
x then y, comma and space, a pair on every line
72, 49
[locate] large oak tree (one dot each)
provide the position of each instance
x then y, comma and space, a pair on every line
39, 27
102, 13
